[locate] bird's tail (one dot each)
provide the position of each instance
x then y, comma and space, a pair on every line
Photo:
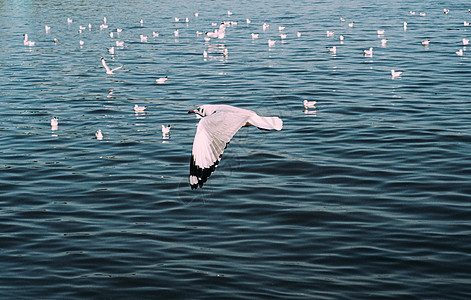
266, 123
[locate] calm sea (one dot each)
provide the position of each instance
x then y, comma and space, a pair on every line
366, 196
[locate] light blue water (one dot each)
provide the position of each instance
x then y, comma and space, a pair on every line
367, 196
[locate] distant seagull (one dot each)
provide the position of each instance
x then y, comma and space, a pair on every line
342, 19
368, 52
412, 13
217, 126
111, 50
255, 36
205, 53
405, 26
329, 33
214, 24
465, 42
384, 42
426, 42
56, 40
333, 49
271, 43
265, 26
143, 38
225, 52
309, 104
281, 28
165, 129
69, 20
141, 22
54, 122
187, 20
229, 13
177, 19
197, 14
161, 80
283, 36
155, 34
341, 38
111, 34
248, 21
119, 44
459, 52
395, 74
104, 20
207, 38
422, 14
298, 34
119, 30
139, 109
89, 27
380, 31
99, 135
446, 11
176, 32
351, 24
108, 70
466, 23
27, 42
81, 43
48, 28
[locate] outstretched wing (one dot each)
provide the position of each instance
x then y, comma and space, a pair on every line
212, 136
103, 62
116, 68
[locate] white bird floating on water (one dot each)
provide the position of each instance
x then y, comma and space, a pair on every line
298, 34
333, 49
217, 126
465, 42
54, 122
69, 20
111, 50
139, 109
27, 42
459, 52
119, 44
165, 130
48, 28
99, 135
255, 36
368, 52
426, 42
395, 74
161, 80
271, 43
143, 38
108, 70
384, 42
265, 26
309, 104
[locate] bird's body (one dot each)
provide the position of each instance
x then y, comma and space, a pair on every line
368, 52
217, 126
309, 104
396, 74
165, 130
161, 80
99, 135
139, 109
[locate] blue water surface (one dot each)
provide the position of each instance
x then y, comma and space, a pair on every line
367, 196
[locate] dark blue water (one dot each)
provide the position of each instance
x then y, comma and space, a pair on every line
365, 197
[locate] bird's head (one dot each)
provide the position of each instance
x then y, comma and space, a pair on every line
202, 111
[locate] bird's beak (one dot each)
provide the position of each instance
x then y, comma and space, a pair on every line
192, 112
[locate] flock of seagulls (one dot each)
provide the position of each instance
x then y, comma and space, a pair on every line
381, 32
219, 123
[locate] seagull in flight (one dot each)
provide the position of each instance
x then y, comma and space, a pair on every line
108, 70
218, 124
